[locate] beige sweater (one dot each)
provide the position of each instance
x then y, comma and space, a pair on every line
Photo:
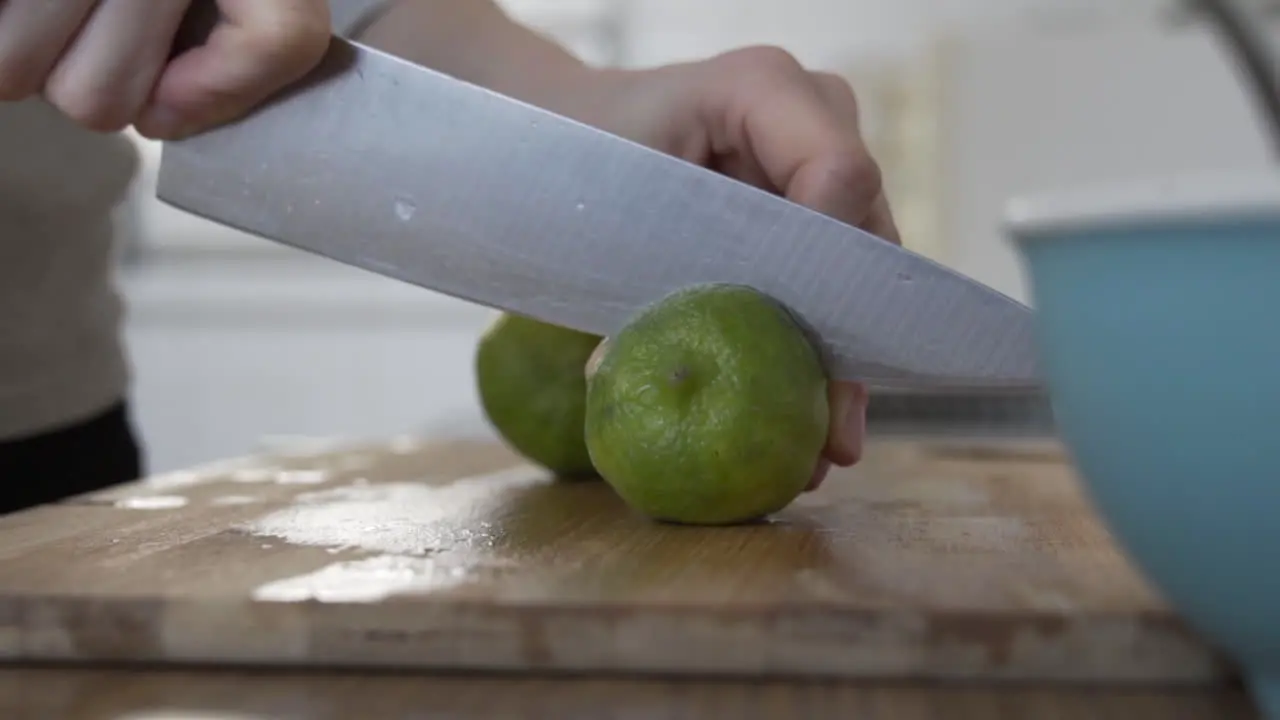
61, 356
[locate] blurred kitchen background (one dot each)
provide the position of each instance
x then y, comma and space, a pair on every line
238, 342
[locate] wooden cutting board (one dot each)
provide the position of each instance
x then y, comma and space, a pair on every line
928, 560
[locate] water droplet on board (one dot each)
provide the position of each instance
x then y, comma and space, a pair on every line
405, 209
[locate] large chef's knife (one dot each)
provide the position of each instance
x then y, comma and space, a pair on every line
385, 165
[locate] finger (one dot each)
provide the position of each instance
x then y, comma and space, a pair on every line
742, 166
105, 76
880, 221
261, 46
848, 403
839, 96
809, 150
848, 192
33, 34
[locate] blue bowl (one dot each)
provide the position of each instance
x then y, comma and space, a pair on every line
1158, 321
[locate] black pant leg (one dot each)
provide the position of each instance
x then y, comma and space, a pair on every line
85, 457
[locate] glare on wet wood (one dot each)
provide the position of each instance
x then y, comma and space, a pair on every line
928, 560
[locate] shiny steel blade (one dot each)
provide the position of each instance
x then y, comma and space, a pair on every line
385, 165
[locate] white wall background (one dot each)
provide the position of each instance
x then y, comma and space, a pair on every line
1039, 114
823, 32
235, 339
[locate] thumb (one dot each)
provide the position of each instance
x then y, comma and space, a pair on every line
258, 47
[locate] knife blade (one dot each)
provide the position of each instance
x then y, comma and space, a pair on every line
388, 166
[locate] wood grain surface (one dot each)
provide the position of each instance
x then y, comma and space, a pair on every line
957, 560
84, 694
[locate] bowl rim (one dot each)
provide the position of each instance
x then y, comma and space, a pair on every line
1144, 201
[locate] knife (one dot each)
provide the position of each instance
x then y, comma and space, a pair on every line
388, 166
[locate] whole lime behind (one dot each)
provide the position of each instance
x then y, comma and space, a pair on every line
532, 388
709, 407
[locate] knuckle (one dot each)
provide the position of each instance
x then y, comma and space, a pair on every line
293, 41
855, 170
832, 80
838, 89
766, 59
835, 84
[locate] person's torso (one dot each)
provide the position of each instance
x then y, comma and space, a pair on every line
60, 355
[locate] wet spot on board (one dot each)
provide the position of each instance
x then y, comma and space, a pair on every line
211, 472
405, 519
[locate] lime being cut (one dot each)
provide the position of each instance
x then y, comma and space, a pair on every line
708, 407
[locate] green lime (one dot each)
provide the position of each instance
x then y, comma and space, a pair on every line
530, 377
709, 407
